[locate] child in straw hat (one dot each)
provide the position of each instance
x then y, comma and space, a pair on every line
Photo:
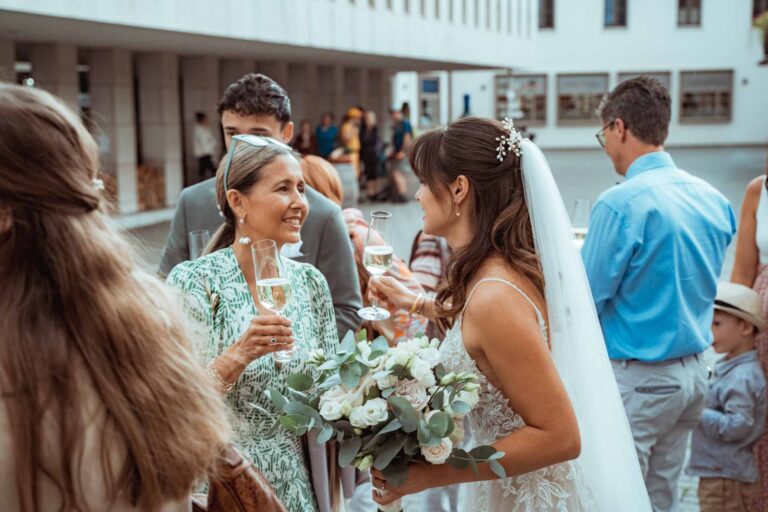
735, 412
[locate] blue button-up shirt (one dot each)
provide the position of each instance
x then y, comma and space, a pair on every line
653, 255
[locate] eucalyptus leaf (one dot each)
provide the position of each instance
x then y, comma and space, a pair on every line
404, 411
397, 471
389, 427
440, 372
380, 345
362, 335
300, 381
460, 408
277, 398
412, 446
303, 410
328, 383
497, 468
297, 396
348, 450
348, 344
389, 451
439, 424
424, 434
473, 465
350, 375
482, 452
330, 364
387, 392
325, 434
438, 399
459, 459
400, 371
497, 455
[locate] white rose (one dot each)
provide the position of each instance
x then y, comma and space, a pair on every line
468, 397
371, 413
422, 372
331, 411
317, 357
414, 392
438, 454
430, 355
387, 381
341, 395
398, 355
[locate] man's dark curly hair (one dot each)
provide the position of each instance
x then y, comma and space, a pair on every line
256, 94
645, 107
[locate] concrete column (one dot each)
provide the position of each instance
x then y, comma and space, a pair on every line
54, 68
386, 93
7, 61
339, 94
112, 111
297, 92
277, 71
160, 118
200, 93
312, 91
234, 69
363, 89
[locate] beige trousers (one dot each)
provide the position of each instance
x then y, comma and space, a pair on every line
726, 495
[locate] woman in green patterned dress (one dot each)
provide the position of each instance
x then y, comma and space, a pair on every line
261, 196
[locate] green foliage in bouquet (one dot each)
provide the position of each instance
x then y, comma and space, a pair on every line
386, 407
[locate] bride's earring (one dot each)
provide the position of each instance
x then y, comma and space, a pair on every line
458, 211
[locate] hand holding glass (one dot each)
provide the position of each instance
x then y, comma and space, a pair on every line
377, 258
272, 285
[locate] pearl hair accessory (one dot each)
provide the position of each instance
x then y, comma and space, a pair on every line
508, 143
98, 184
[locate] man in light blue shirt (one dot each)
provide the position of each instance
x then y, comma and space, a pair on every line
653, 255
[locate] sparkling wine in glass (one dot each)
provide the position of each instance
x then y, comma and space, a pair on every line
272, 285
377, 258
582, 209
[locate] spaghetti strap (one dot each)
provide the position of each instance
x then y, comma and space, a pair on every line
539, 316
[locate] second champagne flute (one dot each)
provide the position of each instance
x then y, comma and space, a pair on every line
377, 258
272, 285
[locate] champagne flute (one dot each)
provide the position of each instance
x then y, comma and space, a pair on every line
582, 209
272, 285
377, 258
198, 240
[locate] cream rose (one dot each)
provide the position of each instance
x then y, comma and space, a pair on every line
438, 454
422, 372
331, 411
414, 392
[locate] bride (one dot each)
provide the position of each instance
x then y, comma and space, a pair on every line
520, 315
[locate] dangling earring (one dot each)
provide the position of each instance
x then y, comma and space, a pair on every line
458, 211
244, 240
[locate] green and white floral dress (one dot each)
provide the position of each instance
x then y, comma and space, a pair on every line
279, 455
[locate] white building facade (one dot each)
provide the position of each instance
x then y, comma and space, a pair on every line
140, 70
705, 51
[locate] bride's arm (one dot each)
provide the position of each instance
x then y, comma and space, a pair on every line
392, 291
501, 330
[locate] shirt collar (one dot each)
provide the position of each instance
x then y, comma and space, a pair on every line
726, 365
650, 161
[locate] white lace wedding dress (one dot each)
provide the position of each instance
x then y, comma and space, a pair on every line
557, 488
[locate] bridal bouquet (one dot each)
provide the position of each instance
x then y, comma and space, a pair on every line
386, 406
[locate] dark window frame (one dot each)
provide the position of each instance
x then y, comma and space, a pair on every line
546, 14
685, 13
594, 100
722, 119
538, 106
619, 14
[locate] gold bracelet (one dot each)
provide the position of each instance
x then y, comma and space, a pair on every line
218, 378
415, 304
420, 309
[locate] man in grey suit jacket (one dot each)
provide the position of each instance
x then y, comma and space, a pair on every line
257, 105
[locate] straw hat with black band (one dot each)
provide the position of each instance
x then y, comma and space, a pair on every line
740, 301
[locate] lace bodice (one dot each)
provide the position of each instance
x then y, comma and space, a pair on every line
552, 488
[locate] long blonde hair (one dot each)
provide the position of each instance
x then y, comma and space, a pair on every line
79, 320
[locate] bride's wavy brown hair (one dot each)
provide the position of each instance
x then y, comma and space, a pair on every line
83, 330
501, 224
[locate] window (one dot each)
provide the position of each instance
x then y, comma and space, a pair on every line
689, 13
429, 102
579, 96
488, 14
407, 6
546, 13
477, 13
498, 15
615, 13
663, 77
706, 96
464, 11
759, 7
423, 8
523, 98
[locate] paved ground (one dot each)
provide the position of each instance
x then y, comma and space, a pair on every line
580, 175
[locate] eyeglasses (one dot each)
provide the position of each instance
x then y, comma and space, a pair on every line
600, 136
252, 140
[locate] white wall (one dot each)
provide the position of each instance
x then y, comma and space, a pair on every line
651, 42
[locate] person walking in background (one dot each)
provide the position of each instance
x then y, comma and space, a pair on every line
327, 135
256, 104
751, 269
402, 135
653, 255
370, 148
204, 146
103, 405
733, 418
304, 142
349, 137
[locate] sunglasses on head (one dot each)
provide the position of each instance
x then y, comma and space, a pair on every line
252, 140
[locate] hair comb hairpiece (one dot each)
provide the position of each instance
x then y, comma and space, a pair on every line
508, 143
98, 184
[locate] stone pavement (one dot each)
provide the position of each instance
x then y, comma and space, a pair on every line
580, 174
